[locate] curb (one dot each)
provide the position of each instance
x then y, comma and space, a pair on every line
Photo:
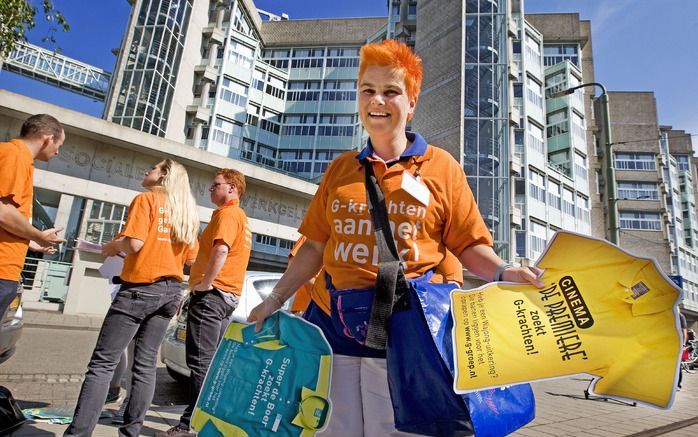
660, 430
66, 327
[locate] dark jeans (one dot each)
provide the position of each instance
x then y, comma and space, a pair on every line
8, 291
208, 312
140, 312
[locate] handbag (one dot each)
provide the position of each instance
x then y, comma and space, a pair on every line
420, 383
420, 357
11, 416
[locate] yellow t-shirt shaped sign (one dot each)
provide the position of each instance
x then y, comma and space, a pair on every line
603, 312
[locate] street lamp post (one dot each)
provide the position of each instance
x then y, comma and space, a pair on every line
610, 168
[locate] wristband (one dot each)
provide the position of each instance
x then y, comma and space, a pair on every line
500, 271
276, 298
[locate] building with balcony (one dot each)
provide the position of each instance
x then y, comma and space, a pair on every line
549, 136
678, 187
655, 186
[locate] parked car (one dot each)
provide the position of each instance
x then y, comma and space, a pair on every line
11, 328
172, 353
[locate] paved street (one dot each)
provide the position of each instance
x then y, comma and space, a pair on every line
49, 364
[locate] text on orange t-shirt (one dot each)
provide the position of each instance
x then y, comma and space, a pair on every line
339, 216
149, 221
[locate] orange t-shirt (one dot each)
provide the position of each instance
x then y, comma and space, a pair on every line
149, 221
302, 298
339, 216
451, 269
229, 225
17, 185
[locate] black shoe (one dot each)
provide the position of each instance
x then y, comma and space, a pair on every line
176, 431
113, 395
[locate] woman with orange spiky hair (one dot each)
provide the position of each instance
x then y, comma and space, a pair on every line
431, 211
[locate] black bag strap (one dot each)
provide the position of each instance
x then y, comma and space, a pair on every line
391, 282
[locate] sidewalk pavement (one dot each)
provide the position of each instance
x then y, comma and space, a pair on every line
57, 320
561, 407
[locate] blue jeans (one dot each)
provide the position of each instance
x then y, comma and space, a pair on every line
207, 319
8, 291
140, 312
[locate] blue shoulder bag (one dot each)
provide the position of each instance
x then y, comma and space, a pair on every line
419, 353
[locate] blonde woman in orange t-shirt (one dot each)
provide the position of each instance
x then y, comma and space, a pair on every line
431, 211
160, 236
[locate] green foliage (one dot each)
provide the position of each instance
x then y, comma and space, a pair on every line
18, 17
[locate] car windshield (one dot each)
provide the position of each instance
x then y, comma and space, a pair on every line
265, 286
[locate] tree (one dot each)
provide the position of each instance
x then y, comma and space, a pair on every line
17, 18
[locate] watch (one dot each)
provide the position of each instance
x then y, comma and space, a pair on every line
500, 271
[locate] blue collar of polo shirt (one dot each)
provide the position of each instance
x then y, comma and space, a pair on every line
418, 147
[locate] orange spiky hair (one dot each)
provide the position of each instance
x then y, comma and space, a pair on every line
391, 53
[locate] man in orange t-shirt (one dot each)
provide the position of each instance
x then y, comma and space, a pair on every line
40, 138
216, 281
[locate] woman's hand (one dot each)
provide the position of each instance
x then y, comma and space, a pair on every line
261, 312
111, 248
524, 275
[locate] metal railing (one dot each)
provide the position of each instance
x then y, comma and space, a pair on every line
50, 278
58, 70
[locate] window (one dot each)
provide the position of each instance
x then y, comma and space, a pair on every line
536, 185
578, 129
683, 162
298, 130
302, 90
233, 92
555, 53
534, 92
646, 221
554, 194
637, 191
343, 62
582, 208
557, 123
337, 118
226, 132
532, 51
568, 201
241, 23
258, 80
580, 167
339, 95
343, 51
306, 63
308, 53
300, 119
538, 238
336, 131
535, 138
636, 161
240, 54
104, 222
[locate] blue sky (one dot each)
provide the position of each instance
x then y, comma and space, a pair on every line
639, 45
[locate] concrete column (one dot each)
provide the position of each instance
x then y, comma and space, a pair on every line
197, 134
220, 15
205, 89
65, 205
212, 54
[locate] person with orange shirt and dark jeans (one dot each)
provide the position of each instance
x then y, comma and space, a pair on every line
159, 239
216, 281
40, 138
432, 209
